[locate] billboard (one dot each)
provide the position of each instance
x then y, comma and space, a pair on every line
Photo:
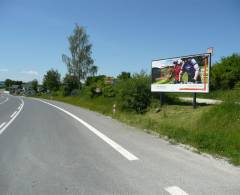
181, 74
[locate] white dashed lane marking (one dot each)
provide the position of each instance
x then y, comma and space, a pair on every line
4, 101
2, 125
175, 190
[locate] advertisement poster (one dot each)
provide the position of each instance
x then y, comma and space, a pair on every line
181, 74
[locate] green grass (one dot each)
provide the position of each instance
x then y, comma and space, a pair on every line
99, 104
226, 95
211, 129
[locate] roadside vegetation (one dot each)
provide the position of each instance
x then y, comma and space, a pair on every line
213, 129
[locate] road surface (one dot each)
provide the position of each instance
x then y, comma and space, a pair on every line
55, 148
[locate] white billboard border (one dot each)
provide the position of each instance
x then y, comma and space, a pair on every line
194, 55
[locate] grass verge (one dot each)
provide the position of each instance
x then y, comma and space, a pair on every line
225, 95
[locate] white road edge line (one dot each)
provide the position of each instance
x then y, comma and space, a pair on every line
20, 107
12, 119
13, 114
175, 190
4, 101
112, 143
2, 124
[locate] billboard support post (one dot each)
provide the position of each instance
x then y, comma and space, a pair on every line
161, 99
194, 100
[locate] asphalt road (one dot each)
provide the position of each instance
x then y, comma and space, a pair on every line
55, 148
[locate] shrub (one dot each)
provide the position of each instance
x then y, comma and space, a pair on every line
94, 86
95, 79
75, 92
70, 83
108, 91
134, 94
226, 73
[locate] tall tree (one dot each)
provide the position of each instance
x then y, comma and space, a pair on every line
80, 64
51, 80
93, 71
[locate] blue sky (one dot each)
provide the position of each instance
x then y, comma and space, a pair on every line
126, 34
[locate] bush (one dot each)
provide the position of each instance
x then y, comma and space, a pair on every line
134, 94
226, 73
94, 86
91, 91
108, 91
70, 83
75, 92
95, 79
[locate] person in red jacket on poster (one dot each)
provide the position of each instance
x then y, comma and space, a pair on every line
177, 69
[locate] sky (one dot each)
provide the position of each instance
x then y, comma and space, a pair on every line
126, 34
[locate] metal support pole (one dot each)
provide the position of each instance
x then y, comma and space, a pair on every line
194, 100
161, 99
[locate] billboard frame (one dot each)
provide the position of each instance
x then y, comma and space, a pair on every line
185, 56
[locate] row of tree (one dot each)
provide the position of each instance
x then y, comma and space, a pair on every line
20, 87
8, 83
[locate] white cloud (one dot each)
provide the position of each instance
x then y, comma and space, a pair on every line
30, 72
3, 70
